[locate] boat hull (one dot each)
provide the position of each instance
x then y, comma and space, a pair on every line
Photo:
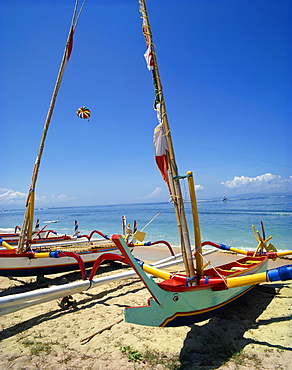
206, 305
44, 238
174, 302
188, 305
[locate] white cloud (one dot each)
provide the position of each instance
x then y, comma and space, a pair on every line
11, 196
61, 198
266, 182
156, 193
160, 193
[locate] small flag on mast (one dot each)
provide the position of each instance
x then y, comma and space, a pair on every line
76, 228
37, 225
149, 58
70, 45
160, 148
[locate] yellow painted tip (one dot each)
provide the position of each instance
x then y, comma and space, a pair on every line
189, 173
7, 246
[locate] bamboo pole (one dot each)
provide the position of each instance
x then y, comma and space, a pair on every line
196, 223
173, 170
26, 230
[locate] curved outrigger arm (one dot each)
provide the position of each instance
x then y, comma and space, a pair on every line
262, 249
270, 254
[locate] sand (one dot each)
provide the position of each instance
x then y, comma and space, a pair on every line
91, 334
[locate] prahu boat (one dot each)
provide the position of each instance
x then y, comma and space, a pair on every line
36, 250
39, 236
183, 299
39, 252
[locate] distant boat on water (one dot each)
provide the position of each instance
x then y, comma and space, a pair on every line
224, 199
51, 222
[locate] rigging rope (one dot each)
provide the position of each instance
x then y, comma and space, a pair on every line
80, 11
214, 268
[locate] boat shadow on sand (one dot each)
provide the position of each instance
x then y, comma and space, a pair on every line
211, 344
207, 346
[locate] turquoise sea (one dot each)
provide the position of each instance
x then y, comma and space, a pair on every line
221, 222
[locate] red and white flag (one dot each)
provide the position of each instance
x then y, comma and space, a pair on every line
70, 45
160, 148
149, 58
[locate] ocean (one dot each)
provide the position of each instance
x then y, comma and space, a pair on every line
228, 222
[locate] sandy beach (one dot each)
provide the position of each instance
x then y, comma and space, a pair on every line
91, 334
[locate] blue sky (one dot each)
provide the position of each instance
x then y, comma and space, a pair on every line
226, 73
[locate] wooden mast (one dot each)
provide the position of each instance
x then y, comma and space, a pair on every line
173, 170
196, 223
26, 230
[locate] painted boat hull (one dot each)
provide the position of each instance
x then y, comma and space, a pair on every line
187, 306
175, 303
193, 307
19, 265
44, 237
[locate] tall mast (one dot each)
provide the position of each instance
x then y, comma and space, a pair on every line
176, 192
26, 230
